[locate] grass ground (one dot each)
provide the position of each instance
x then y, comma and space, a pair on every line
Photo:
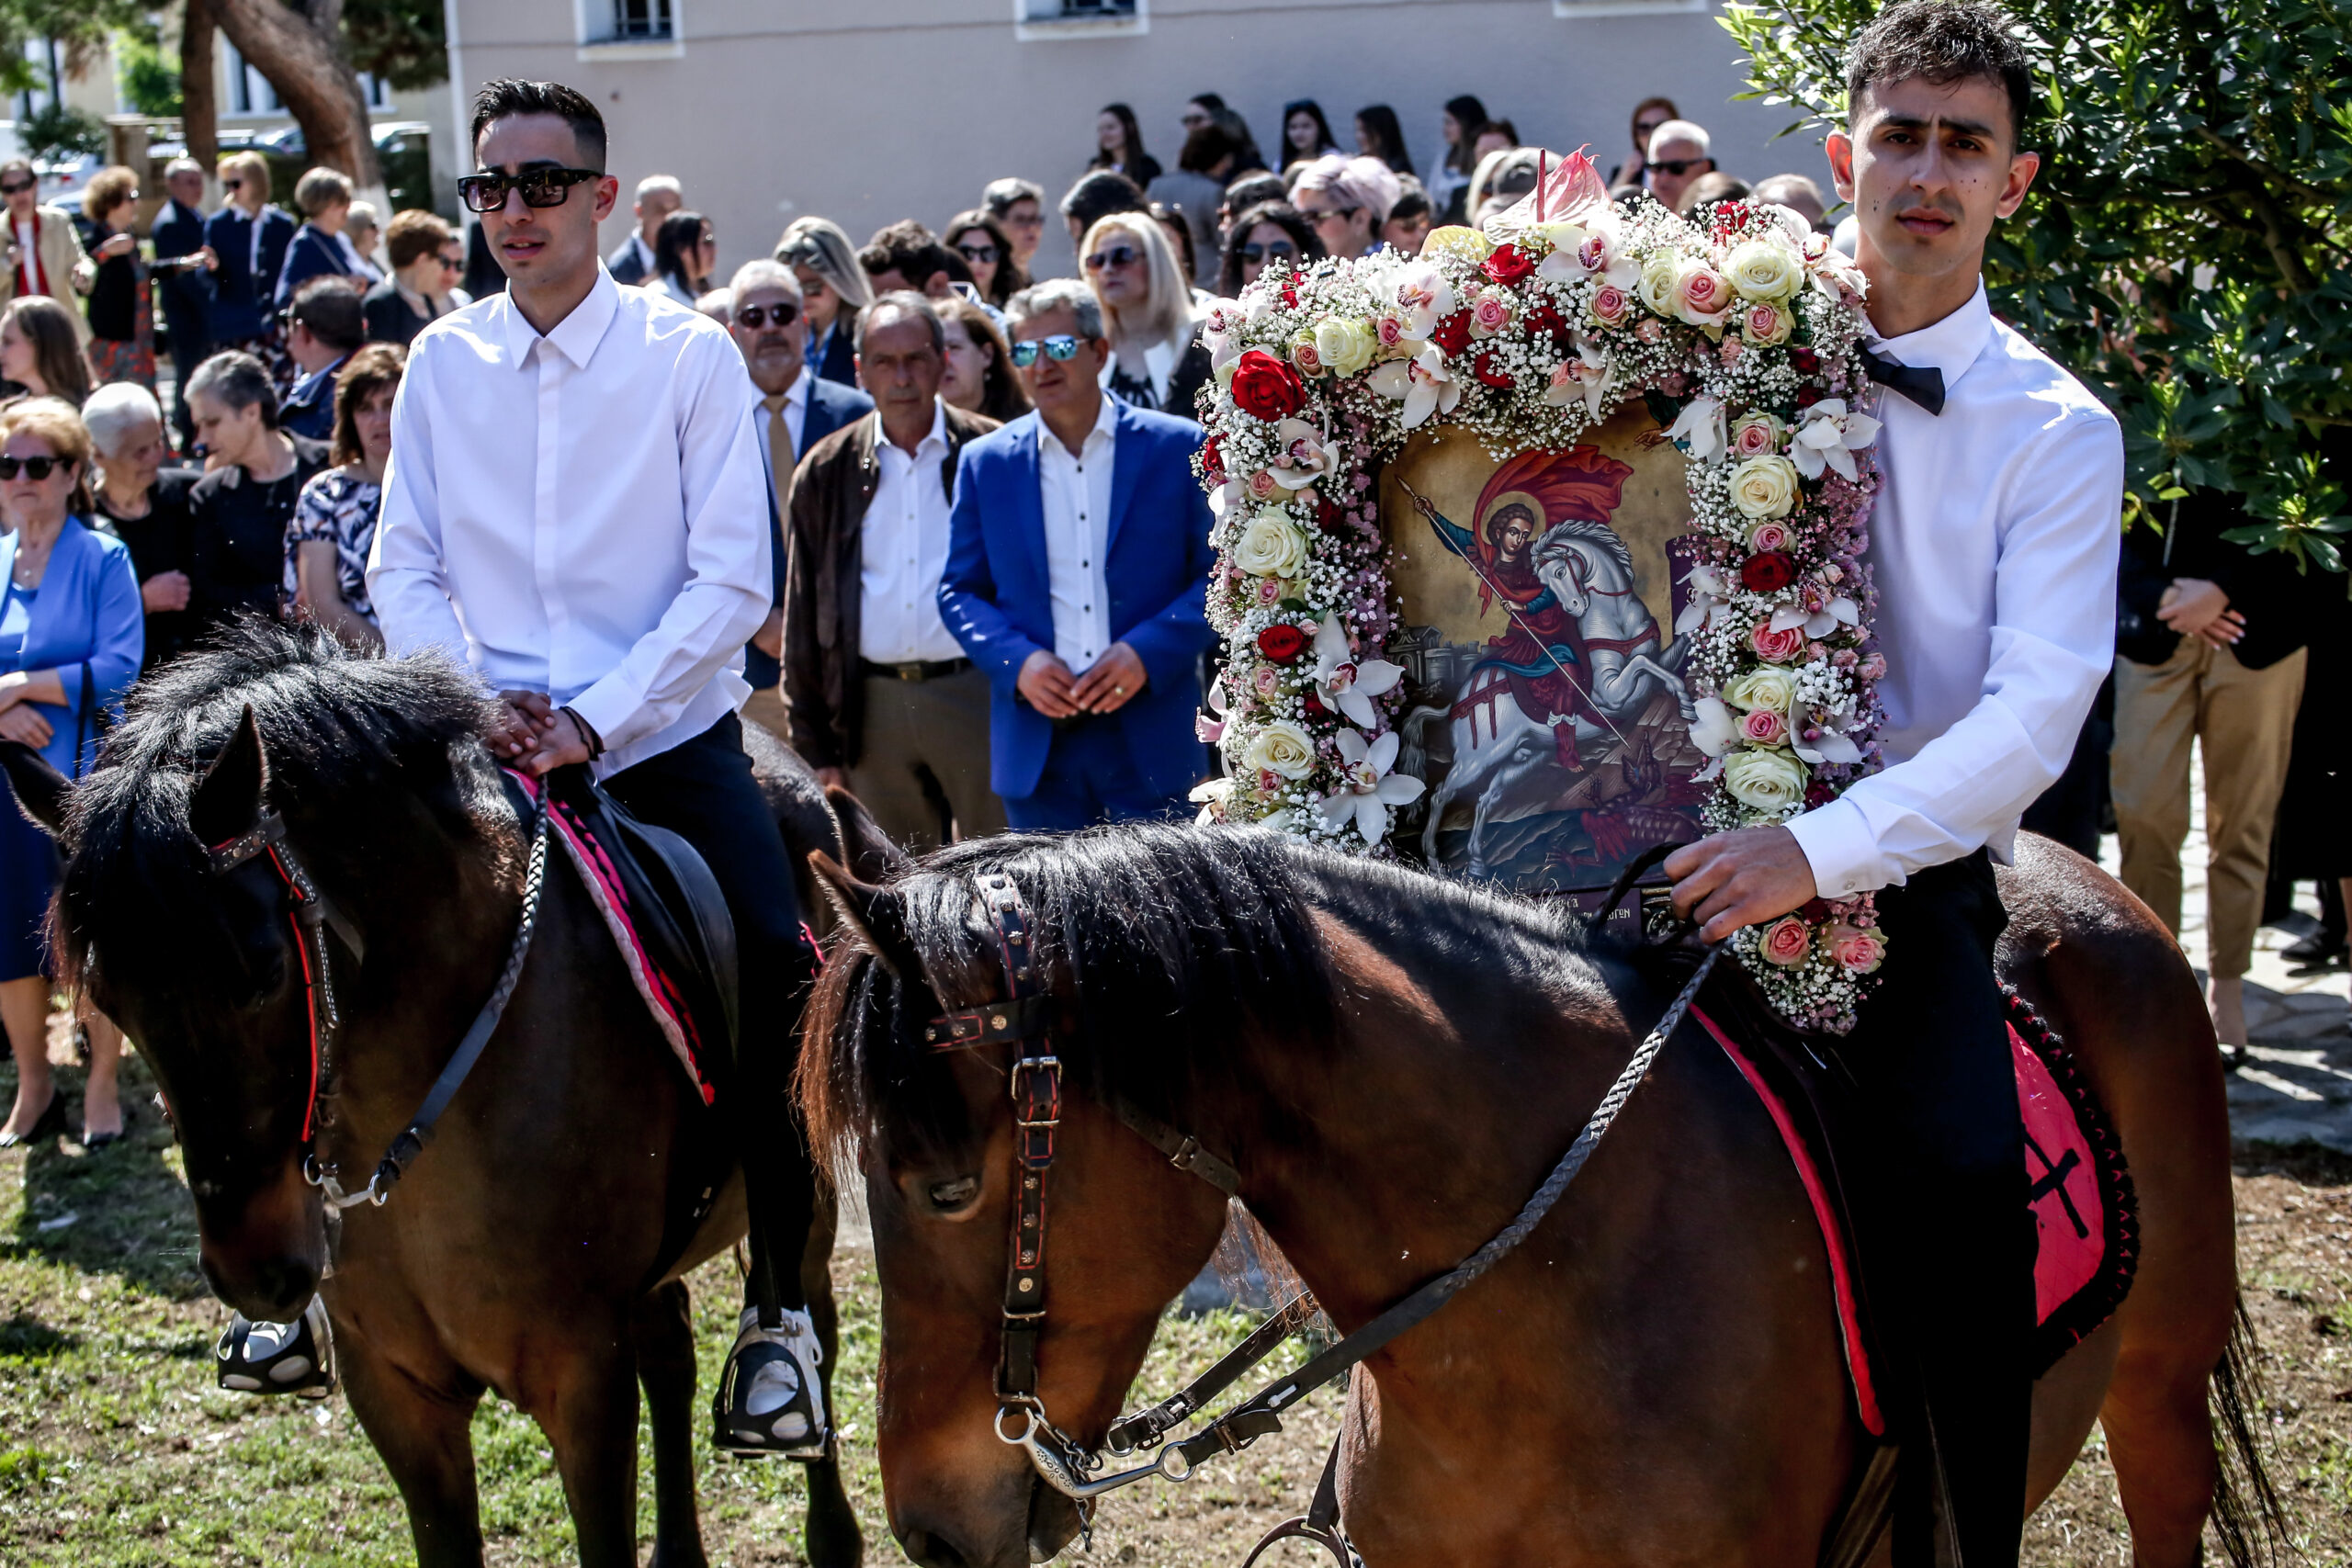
116, 1451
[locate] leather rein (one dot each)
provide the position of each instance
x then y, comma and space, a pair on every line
1024, 1020
311, 916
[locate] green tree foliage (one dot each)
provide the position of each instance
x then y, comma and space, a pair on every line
400, 40
2184, 247
54, 133
150, 76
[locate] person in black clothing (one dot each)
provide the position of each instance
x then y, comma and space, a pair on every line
144, 504
238, 512
324, 325
1119, 146
420, 246
185, 293
1379, 136
122, 333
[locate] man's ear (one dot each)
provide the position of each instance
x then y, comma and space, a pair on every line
608, 196
2023, 166
1840, 148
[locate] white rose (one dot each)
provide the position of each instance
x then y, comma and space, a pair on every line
1765, 269
1345, 344
1659, 272
1280, 747
1764, 487
1767, 780
1271, 546
1773, 689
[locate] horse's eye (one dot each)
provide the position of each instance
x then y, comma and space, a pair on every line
949, 1196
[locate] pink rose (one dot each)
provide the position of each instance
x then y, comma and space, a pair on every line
1779, 646
1651, 330
1390, 330
1611, 305
1845, 659
1787, 942
1763, 323
1262, 485
1874, 667
1731, 350
1754, 439
1767, 537
1763, 726
1268, 680
1270, 590
1704, 291
1857, 952
1303, 353
1489, 314
1268, 780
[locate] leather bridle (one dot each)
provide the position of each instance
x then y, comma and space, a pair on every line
311, 915
1023, 1019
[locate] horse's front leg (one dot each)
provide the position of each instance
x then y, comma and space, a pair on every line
422, 1425
662, 1327
583, 1396
829, 1535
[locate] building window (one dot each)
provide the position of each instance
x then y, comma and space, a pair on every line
638, 21
374, 89
629, 29
1038, 19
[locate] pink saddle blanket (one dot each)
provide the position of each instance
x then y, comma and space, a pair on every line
2086, 1215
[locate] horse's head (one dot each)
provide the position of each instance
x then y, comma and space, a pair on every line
1131, 938
1561, 568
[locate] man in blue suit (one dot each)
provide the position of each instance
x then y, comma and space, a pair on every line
1077, 578
186, 294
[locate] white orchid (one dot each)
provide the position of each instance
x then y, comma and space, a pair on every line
1708, 595
1421, 383
1211, 797
1830, 437
1221, 331
1587, 377
1301, 455
1838, 611
1700, 429
1826, 746
1366, 788
1423, 299
1586, 247
1209, 727
1716, 728
1346, 684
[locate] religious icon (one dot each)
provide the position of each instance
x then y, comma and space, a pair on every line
1546, 706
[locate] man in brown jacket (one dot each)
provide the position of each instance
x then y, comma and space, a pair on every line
883, 700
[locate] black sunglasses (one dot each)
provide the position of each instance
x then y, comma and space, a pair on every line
979, 256
1061, 345
17, 188
757, 316
35, 468
1117, 255
540, 187
1678, 167
1276, 251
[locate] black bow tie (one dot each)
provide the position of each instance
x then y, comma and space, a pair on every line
1923, 384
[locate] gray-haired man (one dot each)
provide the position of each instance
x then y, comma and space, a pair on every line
658, 195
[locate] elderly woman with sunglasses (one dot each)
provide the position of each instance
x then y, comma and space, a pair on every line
1271, 233
427, 264
69, 642
1157, 359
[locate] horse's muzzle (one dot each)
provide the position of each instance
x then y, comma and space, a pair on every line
264, 1256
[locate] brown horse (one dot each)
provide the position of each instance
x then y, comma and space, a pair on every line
1393, 1063
523, 1251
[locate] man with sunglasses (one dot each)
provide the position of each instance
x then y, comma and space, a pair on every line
796, 410
43, 248
1679, 153
577, 505
1077, 580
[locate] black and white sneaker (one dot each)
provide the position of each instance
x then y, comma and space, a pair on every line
770, 1399
278, 1357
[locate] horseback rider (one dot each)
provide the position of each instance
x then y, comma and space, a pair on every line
1993, 545
577, 506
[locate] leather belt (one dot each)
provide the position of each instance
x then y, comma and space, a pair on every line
914, 670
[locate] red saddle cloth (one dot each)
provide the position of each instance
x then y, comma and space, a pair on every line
2085, 1214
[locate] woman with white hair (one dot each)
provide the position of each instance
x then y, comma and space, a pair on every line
145, 504
1156, 359
1347, 199
834, 292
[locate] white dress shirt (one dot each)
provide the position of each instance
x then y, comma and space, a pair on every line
581, 513
1993, 543
1076, 493
902, 552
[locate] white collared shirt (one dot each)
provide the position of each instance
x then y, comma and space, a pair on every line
582, 513
1076, 493
902, 552
1993, 542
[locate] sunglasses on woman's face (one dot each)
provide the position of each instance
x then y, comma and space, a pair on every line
1115, 257
1281, 249
979, 256
18, 188
1678, 168
34, 469
758, 316
1061, 345
540, 187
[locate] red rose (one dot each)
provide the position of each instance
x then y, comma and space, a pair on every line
1483, 368
1281, 642
1266, 387
1453, 333
1544, 320
1290, 295
1805, 360
1213, 459
1768, 572
1507, 265
1808, 395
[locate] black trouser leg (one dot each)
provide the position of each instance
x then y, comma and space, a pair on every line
1947, 1242
703, 791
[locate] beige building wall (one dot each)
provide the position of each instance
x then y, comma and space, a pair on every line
885, 110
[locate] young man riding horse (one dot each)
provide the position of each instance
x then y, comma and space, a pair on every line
577, 507
1993, 543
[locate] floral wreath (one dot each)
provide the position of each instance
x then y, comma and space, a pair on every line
1742, 338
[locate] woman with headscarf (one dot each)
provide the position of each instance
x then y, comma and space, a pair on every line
1156, 359
834, 292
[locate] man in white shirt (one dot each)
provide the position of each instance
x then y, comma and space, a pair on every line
1993, 544
576, 506
883, 700
658, 195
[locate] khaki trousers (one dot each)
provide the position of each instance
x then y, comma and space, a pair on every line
2246, 720
923, 758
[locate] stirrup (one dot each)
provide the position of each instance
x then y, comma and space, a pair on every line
295, 1358
770, 1400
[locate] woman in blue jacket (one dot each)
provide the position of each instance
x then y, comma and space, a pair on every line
71, 636
250, 236
316, 250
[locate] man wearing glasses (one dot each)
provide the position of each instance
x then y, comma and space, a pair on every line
577, 505
42, 249
1679, 153
1077, 580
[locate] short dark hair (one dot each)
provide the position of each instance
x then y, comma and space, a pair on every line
911, 249
509, 97
373, 369
1207, 147
1282, 215
1942, 41
1098, 194
330, 307
906, 302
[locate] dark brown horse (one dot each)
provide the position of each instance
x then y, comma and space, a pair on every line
1393, 1063
520, 1253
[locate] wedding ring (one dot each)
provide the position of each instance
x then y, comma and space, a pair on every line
1118, 691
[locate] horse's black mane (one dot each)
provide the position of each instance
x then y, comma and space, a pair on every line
337, 725
1178, 940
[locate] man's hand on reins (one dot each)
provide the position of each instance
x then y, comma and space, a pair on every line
564, 744
1742, 878
521, 720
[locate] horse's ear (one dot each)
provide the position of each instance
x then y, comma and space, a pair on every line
228, 799
870, 853
872, 912
41, 789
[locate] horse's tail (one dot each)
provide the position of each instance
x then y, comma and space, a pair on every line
2249, 1516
